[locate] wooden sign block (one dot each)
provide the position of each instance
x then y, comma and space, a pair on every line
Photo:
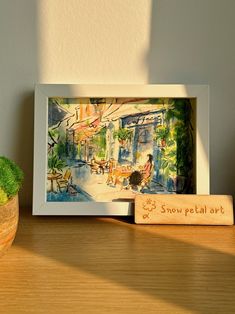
184, 209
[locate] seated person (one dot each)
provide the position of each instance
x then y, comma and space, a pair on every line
147, 170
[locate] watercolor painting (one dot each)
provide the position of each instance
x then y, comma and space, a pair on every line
110, 149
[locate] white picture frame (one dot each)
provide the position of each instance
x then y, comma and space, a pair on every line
44, 91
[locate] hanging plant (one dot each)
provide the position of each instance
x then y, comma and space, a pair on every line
162, 133
123, 135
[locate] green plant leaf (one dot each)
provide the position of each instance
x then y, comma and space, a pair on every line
11, 176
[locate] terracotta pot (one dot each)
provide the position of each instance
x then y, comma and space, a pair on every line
163, 142
122, 143
9, 216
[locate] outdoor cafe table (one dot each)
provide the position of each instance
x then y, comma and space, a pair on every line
122, 172
52, 177
101, 164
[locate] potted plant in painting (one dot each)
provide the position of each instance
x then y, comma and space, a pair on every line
55, 164
162, 133
11, 178
123, 135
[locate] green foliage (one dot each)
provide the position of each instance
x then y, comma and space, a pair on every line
55, 164
167, 157
3, 197
79, 150
161, 101
11, 178
181, 110
61, 150
54, 133
58, 101
176, 157
123, 134
72, 150
162, 132
182, 113
99, 141
168, 160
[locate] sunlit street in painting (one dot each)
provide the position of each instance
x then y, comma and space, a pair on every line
107, 149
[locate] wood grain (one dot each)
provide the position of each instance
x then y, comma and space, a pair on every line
9, 214
184, 209
105, 265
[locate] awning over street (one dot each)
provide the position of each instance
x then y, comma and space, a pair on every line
91, 117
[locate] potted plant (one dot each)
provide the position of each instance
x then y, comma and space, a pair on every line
162, 133
123, 134
11, 177
55, 164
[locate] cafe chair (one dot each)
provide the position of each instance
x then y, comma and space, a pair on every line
63, 184
94, 167
112, 164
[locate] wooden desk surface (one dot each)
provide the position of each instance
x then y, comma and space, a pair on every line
106, 265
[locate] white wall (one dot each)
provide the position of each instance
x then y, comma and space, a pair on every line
116, 41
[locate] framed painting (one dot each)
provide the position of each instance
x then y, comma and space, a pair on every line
98, 146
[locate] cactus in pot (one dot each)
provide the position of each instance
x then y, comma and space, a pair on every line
11, 178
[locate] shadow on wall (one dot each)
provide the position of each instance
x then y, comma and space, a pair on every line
160, 36
24, 144
19, 73
176, 41
189, 46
